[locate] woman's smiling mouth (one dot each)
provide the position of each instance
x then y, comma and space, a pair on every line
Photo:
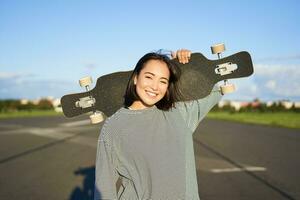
151, 94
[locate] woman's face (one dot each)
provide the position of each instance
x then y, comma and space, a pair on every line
151, 84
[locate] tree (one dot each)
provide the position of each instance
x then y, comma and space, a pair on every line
45, 104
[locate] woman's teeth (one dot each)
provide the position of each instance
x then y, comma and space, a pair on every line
151, 94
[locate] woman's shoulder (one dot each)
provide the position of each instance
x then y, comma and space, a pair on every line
110, 127
111, 120
181, 105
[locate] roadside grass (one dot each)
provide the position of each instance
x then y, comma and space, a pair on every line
31, 113
280, 119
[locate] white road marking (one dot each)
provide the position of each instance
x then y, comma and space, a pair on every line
210, 163
87, 141
11, 132
77, 123
63, 131
56, 134
238, 169
10, 126
50, 133
9, 129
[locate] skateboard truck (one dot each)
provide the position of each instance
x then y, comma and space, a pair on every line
224, 68
89, 101
85, 102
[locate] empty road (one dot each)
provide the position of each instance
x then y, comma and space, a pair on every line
54, 158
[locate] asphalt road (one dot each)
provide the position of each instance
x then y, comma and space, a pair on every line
53, 158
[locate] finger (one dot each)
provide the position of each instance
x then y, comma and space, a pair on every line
185, 54
189, 54
180, 56
173, 54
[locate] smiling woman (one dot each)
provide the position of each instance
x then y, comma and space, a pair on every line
145, 150
151, 84
153, 81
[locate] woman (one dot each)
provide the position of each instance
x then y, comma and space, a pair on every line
145, 150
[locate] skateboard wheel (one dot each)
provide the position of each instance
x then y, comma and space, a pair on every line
229, 88
218, 48
96, 118
85, 81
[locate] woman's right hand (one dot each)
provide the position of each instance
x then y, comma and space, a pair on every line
183, 55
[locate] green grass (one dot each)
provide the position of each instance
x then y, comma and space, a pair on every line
33, 113
281, 119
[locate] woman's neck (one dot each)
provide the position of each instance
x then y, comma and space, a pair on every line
137, 105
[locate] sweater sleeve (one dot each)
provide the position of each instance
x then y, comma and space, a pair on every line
106, 174
194, 111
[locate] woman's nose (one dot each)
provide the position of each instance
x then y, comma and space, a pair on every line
154, 85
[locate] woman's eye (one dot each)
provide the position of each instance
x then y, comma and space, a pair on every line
147, 77
164, 82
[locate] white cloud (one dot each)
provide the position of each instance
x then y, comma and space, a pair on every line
280, 58
271, 84
282, 80
267, 83
15, 75
18, 85
9, 75
253, 89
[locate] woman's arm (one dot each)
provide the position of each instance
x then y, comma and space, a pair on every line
106, 174
194, 111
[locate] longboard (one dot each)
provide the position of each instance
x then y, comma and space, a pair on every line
197, 80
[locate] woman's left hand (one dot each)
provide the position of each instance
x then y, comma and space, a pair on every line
183, 55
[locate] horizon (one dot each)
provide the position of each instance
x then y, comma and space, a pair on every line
223, 99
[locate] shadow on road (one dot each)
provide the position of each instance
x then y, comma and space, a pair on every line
86, 192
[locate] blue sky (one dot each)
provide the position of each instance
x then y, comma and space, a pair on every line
47, 45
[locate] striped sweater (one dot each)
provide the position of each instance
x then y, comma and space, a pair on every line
150, 152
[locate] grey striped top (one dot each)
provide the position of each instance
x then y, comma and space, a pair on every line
150, 152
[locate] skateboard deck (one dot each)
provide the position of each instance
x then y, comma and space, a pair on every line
197, 80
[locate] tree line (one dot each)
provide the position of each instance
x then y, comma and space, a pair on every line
12, 105
261, 108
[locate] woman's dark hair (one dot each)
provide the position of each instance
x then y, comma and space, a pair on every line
173, 93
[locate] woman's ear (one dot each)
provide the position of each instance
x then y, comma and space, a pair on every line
135, 80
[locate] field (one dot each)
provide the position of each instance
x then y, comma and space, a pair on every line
281, 119
33, 113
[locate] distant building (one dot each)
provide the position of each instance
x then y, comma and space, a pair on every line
55, 102
287, 104
237, 105
269, 103
57, 105
35, 101
24, 101
223, 103
297, 104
